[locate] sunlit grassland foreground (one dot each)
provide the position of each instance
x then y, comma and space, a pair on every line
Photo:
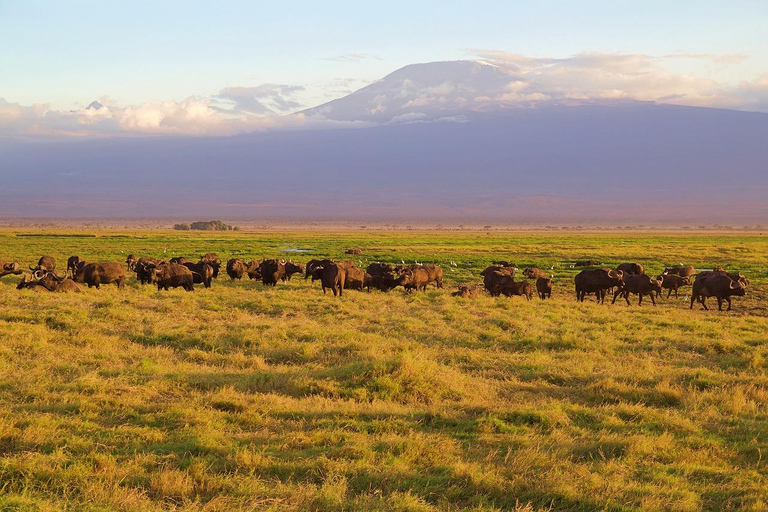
242, 397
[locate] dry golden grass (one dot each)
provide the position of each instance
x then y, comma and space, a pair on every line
242, 397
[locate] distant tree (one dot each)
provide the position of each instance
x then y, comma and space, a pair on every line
181, 227
211, 225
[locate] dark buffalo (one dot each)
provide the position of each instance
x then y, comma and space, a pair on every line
96, 274
202, 272
467, 291
236, 268
633, 269
172, 275
354, 278
130, 261
9, 268
253, 269
718, 285
353, 251
686, 271
720, 271
272, 271
144, 268
544, 287
334, 276
290, 269
377, 269
46, 264
673, 282
72, 261
597, 281
534, 273
492, 276
504, 263
383, 282
508, 287
639, 285
212, 259
180, 260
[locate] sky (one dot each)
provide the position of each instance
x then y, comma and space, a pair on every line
196, 60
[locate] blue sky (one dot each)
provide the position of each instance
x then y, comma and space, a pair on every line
69, 53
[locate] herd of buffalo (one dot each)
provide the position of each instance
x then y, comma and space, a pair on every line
498, 279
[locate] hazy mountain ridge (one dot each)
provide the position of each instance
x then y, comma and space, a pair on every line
615, 160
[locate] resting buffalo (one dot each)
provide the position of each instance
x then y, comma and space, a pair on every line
212, 259
508, 287
71, 263
130, 261
718, 285
686, 271
202, 272
597, 281
639, 285
587, 263
96, 274
534, 273
467, 291
9, 268
633, 269
180, 260
55, 283
31, 284
673, 282
353, 251
544, 287
46, 263
493, 274
504, 263
334, 276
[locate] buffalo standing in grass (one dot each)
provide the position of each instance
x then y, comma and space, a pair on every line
354, 278
144, 268
130, 262
9, 268
544, 287
382, 282
639, 285
236, 268
492, 275
72, 262
673, 282
508, 287
180, 260
719, 285
414, 278
96, 274
333, 276
202, 272
597, 281
172, 275
632, 269
272, 271
290, 269
534, 273
434, 273
212, 259
377, 269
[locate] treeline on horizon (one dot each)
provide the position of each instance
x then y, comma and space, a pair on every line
211, 225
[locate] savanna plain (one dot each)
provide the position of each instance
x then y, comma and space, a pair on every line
240, 397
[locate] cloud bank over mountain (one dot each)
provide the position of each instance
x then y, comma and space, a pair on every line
444, 91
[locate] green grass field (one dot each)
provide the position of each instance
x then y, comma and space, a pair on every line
244, 398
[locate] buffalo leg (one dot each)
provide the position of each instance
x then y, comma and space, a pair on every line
728, 299
652, 299
670, 293
719, 303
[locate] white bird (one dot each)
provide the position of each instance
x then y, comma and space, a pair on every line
453, 270
551, 268
453, 264
165, 250
402, 261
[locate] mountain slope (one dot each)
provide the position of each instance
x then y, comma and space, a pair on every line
636, 161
